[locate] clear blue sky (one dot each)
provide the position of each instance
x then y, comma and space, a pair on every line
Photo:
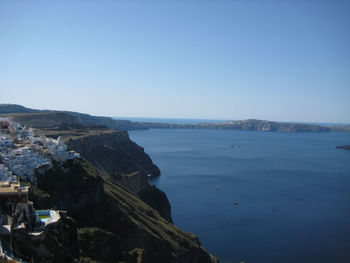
276, 60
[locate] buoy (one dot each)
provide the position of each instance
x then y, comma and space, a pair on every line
235, 202
217, 188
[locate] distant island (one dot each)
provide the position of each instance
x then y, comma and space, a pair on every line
251, 125
49, 118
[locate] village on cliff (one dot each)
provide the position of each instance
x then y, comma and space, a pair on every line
22, 154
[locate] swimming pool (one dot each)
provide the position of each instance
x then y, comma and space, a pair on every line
44, 215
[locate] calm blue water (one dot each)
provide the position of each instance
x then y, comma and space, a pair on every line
293, 192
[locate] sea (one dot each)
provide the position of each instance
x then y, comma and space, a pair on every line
254, 196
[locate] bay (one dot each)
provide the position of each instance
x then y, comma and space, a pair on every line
292, 191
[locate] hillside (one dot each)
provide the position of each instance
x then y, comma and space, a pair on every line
109, 214
14, 108
114, 154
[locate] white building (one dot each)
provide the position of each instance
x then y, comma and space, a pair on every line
23, 162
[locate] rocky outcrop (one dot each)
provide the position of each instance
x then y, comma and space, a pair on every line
56, 244
129, 228
115, 154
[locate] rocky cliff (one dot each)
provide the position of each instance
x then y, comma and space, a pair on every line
114, 154
121, 218
110, 214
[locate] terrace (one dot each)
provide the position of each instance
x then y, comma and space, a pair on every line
47, 216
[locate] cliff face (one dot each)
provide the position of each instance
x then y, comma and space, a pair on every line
104, 198
82, 193
109, 213
137, 182
114, 153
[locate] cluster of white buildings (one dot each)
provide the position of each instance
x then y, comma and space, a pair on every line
21, 152
6, 174
23, 162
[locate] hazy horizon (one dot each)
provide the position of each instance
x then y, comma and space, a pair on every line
228, 60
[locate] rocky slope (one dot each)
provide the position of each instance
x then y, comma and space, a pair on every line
104, 199
113, 153
110, 214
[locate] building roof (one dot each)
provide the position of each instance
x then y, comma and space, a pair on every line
7, 187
